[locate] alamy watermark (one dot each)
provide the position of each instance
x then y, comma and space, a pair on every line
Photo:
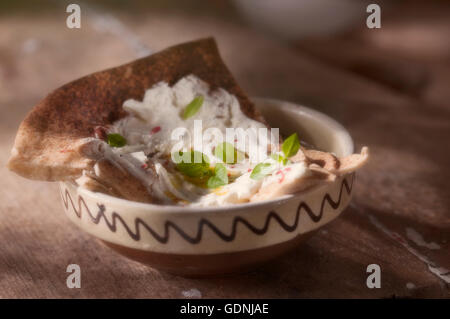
255, 143
374, 279
73, 21
74, 279
373, 21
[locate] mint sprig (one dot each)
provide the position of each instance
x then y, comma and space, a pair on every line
291, 145
227, 153
116, 140
192, 163
261, 170
279, 158
220, 177
193, 107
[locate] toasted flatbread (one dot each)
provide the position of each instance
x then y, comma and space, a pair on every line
60, 138
324, 168
111, 178
51, 142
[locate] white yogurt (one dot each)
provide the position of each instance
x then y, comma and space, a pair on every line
149, 129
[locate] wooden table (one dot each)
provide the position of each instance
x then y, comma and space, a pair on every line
389, 87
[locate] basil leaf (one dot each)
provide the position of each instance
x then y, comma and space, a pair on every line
291, 145
193, 107
261, 170
116, 140
192, 163
220, 177
227, 153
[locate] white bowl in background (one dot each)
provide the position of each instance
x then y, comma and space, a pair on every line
293, 19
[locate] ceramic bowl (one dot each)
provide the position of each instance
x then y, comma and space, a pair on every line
210, 241
293, 19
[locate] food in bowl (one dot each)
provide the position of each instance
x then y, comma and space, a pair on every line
201, 208
143, 143
201, 241
161, 135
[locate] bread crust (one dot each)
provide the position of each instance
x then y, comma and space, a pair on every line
50, 141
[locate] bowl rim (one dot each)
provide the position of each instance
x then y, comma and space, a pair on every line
309, 112
306, 111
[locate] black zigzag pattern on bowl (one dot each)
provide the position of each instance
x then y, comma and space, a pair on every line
138, 222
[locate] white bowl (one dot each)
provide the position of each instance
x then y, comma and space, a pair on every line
205, 241
293, 19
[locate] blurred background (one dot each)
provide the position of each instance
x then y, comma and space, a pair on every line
409, 55
388, 86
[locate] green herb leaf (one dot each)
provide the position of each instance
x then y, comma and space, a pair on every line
291, 145
116, 140
261, 170
227, 153
192, 163
279, 158
220, 177
193, 107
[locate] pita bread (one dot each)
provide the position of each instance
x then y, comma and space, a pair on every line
323, 167
51, 143
57, 140
111, 178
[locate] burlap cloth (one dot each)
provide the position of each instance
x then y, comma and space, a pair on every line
404, 117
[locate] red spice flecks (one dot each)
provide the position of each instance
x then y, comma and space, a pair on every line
144, 166
282, 176
249, 170
155, 130
229, 174
100, 132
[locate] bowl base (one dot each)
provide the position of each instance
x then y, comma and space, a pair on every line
209, 264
